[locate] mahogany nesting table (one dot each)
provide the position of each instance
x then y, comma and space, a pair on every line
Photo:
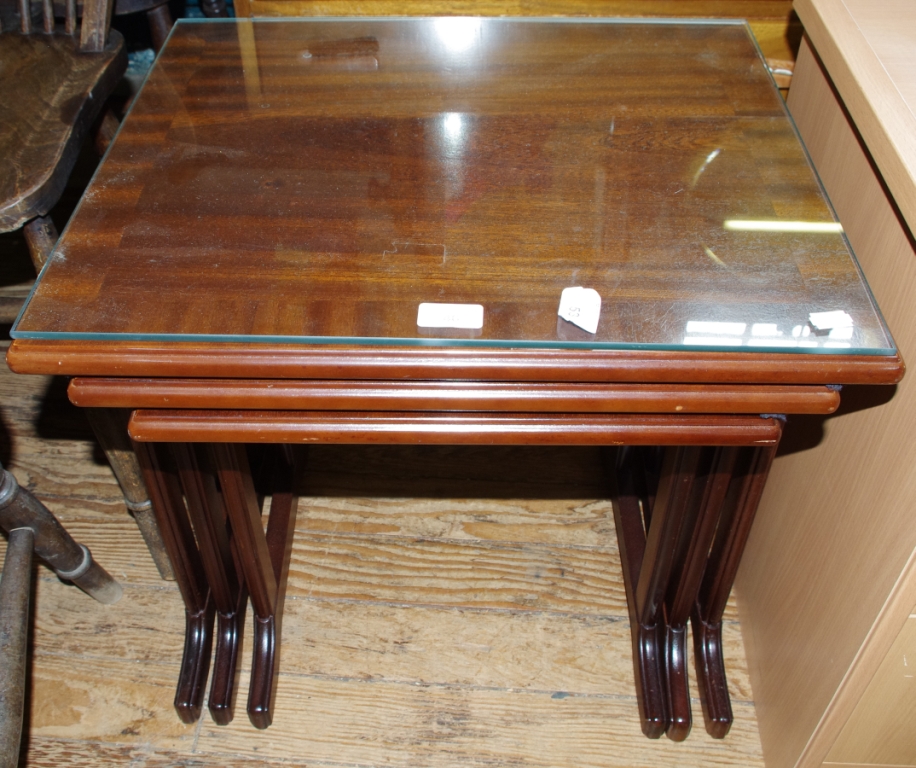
363, 231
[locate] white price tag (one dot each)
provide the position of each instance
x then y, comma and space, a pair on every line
825, 320
581, 306
468, 316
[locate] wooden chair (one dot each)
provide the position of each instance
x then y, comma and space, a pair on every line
31, 526
52, 87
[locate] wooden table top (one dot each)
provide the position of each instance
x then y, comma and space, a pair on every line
308, 183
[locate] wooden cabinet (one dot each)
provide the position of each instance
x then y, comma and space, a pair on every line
880, 730
828, 582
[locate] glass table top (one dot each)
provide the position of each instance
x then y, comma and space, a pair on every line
459, 181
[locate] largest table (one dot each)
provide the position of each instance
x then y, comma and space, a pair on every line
249, 262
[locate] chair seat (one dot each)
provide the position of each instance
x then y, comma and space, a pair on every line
51, 93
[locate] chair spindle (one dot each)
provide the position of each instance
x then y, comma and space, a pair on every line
70, 18
47, 12
25, 17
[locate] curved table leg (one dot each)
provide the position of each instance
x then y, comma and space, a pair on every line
699, 526
208, 517
648, 558
735, 521
178, 538
264, 560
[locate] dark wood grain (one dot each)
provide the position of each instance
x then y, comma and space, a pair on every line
208, 517
448, 429
344, 395
172, 518
630, 500
737, 516
710, 485
250, 361
264, 201
265, 667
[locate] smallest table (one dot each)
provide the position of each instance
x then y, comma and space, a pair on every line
383, 231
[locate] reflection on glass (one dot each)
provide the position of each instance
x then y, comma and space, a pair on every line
703, 326
709, 158
824, 329
457, 34
453, 127
763, 225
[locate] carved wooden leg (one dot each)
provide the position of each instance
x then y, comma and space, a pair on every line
165, 494
738, 512
110, 427
647, 560
41, 237
264, 559
699, 526
208, 517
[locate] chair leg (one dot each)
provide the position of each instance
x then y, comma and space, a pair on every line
14, 639
105, 130
110, 427
41, 237
31, 526
70, 561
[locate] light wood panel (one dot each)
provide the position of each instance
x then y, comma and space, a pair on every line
829, 562
880, 729
446, 606
867, 48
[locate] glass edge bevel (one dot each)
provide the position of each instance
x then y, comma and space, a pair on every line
396, 341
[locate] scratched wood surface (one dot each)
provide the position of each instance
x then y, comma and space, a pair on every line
446, 606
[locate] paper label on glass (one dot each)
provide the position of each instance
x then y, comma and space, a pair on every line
825, 320
581, 306
467, 316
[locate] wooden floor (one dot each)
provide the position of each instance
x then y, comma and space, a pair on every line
445, 607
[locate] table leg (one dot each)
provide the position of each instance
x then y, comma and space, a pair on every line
699, 526
264, 560
648, 558
208, 516
178, 538
737, 515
